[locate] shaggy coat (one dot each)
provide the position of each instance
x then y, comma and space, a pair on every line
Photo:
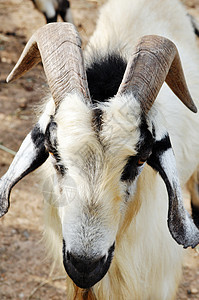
114, 161
147, 261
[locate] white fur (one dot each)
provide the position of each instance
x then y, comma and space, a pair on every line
147, 261
49, 8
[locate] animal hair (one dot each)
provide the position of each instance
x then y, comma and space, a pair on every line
147, 262
116, 154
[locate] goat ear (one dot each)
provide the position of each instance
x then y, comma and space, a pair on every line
180, 223
31, 155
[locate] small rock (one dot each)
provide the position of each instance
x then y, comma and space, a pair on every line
6, 60
192, 291
26, 234
188, 292
21, 295
23, 105
13, 231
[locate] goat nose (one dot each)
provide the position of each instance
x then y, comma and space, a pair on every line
85, 265
86, 271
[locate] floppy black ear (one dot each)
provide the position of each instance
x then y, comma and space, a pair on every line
31, 155
180, 223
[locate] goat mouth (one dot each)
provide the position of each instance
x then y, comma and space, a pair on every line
85, 272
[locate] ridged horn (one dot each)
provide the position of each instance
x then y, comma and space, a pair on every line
154, 61
59, 47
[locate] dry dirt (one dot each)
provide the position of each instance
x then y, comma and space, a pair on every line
23, 265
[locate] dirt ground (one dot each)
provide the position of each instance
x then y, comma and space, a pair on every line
24, 269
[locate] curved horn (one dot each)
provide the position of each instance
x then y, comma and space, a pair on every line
59, 47
154, 61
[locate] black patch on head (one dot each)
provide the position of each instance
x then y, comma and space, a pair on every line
52, 145
143, 148
104, 77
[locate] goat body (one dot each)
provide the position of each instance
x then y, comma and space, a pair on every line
100, 195
52, 8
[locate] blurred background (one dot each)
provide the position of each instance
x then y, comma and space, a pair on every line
25, 273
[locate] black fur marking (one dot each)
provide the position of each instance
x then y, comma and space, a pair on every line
104, 77
144, 149
195, 214
130, 171
51, 20
38, 156
63, 6
51, 145
97, 119
154, 160
162, 145
61, 10
175, 223
51, 137
196, 31
37, 137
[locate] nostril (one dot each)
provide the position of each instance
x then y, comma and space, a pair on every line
85, 265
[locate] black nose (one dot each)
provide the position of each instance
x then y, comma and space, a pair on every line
85, 265
85, 271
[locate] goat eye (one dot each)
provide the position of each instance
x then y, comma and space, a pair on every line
141, 161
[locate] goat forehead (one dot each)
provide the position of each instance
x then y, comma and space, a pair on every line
77, 134
121, 129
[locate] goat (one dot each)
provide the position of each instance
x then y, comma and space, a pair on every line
52, 8
114, 214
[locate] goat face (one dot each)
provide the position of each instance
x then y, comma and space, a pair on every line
95, 173
89, 181
99, 152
